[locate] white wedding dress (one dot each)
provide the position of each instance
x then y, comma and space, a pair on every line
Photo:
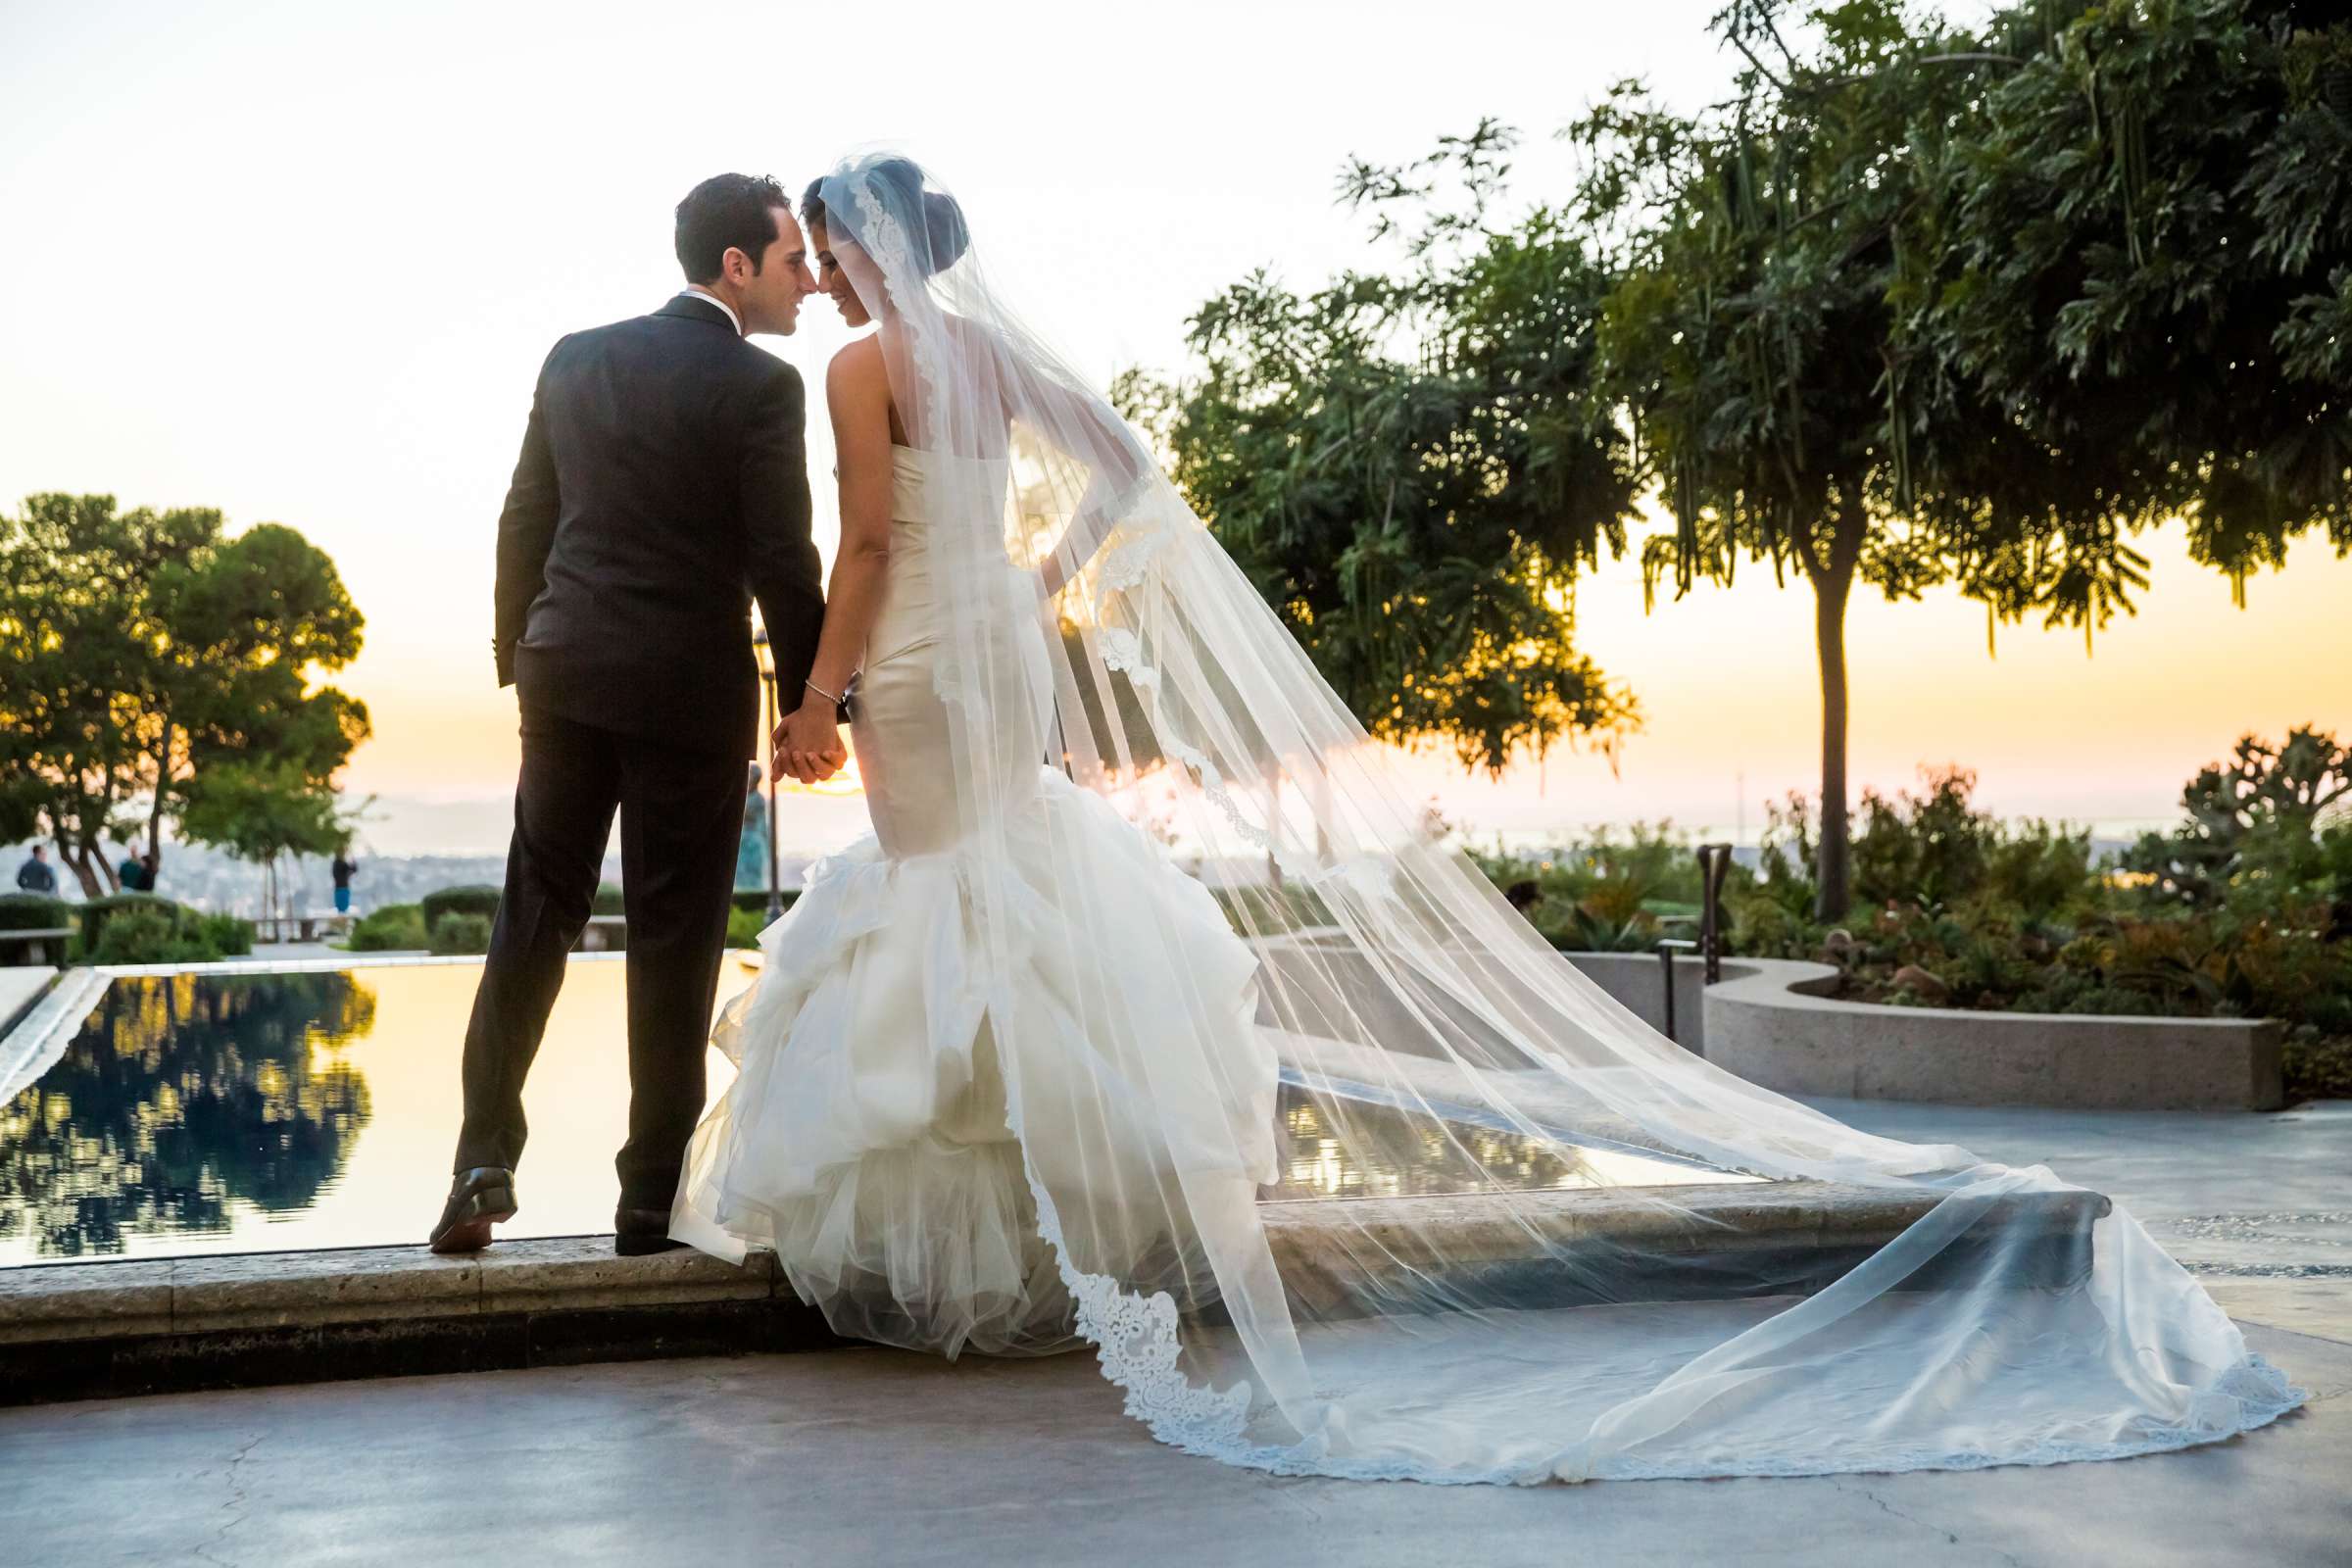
866, 1137
1009, 1082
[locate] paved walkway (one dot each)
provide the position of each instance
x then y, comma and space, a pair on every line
870, 1456
20, 984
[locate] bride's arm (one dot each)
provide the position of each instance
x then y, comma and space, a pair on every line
1086, 428
857, 392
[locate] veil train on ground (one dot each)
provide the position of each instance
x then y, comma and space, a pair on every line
1341, 1171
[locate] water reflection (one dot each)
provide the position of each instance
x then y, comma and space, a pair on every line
1337, 1147
182, 1098
214, 1113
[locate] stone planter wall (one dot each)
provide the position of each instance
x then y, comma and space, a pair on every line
1767, 1022
1635, 981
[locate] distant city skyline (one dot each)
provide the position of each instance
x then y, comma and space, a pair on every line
301, 262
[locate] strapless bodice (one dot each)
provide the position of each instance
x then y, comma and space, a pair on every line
920, 482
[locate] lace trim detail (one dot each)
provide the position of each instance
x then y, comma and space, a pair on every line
886, 241
1129, 562
1212, 785
1136, 1344
1123, 649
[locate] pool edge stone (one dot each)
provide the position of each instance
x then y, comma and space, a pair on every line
74, 1331
93, 1330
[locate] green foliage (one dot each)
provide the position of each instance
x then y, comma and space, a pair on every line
2253, 818
93, 915
470, 898
227, 935
453, 934
1603, 893
744, 925
2243, 911
1411, 466
395, 927
1931, 305
146, 659
607, 901
142, 929
2144, 265
261, 809
1938, 849
33, 912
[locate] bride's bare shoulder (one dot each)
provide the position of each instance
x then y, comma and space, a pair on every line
859, 359
856, 379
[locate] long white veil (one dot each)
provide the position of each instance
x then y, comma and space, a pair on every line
1382, 1186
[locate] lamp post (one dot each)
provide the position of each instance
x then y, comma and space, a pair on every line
767, 769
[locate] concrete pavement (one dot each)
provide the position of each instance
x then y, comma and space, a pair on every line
872, 1456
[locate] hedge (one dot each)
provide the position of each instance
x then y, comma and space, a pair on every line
390, 928
33, 912
143, 929
96, 913
460, 934
477, 899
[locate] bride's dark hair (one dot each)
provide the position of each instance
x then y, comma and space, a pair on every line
945, 235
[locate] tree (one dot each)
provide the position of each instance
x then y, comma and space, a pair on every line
1407, 463
2149, 250
1872, 329
139, 651
1750, 336
263, 812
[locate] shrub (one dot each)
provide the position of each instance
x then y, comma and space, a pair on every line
2317, 1066
98, 913
476, 899
168, 934
1603, 893
607, 901
394, 927
755, 898
461, 933
744, 925
226, 935
33, 912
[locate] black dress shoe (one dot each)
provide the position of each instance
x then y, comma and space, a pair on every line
478, 1199
638, 1232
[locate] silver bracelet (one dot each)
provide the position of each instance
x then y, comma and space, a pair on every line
821, 692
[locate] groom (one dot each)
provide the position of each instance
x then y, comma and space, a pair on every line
662, 486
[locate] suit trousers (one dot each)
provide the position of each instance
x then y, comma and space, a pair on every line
681, 814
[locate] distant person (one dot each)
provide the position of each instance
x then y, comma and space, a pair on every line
662, 486
341, 869
751, 855
36, 874
132, 876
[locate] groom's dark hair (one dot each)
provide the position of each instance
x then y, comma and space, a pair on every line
728, 212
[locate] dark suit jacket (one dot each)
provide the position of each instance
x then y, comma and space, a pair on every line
663, 483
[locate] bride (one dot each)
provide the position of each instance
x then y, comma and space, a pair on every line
1341, 1171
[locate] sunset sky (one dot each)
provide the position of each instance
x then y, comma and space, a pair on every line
302, 262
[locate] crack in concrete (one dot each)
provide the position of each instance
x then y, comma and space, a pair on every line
235, 1505
1893, 1511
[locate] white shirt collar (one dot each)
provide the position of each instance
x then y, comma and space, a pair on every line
689, 292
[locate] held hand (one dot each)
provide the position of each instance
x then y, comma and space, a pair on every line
807, 744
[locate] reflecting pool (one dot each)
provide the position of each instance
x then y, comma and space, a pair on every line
264, 1112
